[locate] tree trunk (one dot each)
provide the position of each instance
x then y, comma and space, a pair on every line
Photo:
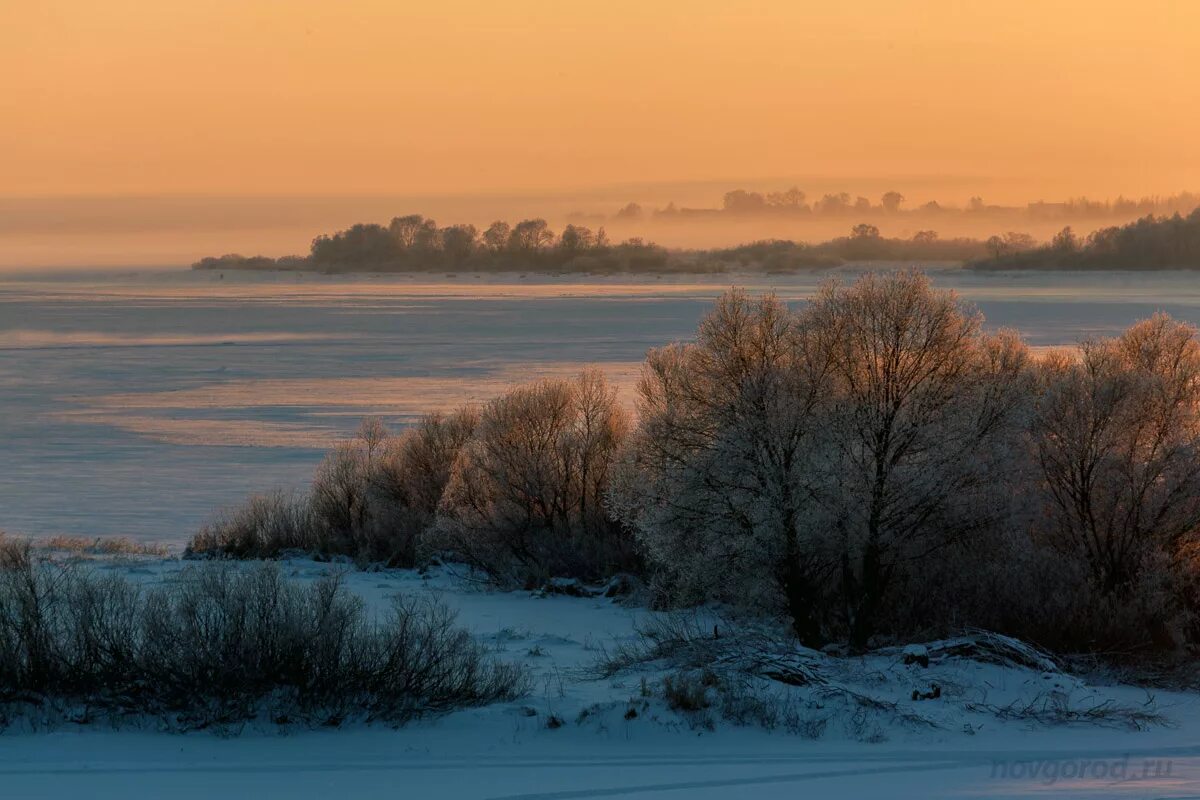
799, 591
866, 600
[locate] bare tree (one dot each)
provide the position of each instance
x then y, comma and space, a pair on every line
630, 211
525, 500
407, 480
1065, 240
792, 199
458, 242
530, 236
834, 203
716, 479
340, 499
339, 495
372, 433
576, 239
741, 201
495, 238
922, 402
1118, 440
410, 230
996, 246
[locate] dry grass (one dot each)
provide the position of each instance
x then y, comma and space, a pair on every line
82, 546
102, 546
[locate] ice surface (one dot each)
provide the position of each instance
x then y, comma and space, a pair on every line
134, 403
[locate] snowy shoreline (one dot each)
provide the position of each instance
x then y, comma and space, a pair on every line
511, 749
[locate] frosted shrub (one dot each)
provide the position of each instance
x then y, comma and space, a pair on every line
339, 495
371, 499
223, 646
406, 483
261, 527
525, 500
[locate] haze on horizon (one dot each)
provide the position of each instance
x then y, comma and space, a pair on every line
467, 99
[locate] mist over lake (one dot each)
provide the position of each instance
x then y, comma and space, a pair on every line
137, 402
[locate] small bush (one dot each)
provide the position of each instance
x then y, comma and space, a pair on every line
687, 691
262, 527
371, 499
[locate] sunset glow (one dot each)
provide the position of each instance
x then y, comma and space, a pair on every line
367, 96
532, 399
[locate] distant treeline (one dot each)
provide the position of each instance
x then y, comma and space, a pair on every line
865, 243
1149, 243
794, 202
416, 244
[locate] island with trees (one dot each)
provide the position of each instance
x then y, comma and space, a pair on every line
416, 244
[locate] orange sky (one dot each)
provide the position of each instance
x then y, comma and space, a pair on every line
464, 96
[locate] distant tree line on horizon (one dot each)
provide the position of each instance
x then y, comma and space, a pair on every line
794, 202
1149, 243
414, 243
417, 244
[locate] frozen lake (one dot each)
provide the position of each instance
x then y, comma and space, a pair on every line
135, 403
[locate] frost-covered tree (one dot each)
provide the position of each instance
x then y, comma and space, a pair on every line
924, 405
1118, 441
407, 479
717, 477
338, 496
525, 499
800, 461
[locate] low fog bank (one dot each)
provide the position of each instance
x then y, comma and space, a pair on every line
173, 231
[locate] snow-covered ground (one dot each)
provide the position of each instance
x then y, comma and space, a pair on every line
951, 746
149, 398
